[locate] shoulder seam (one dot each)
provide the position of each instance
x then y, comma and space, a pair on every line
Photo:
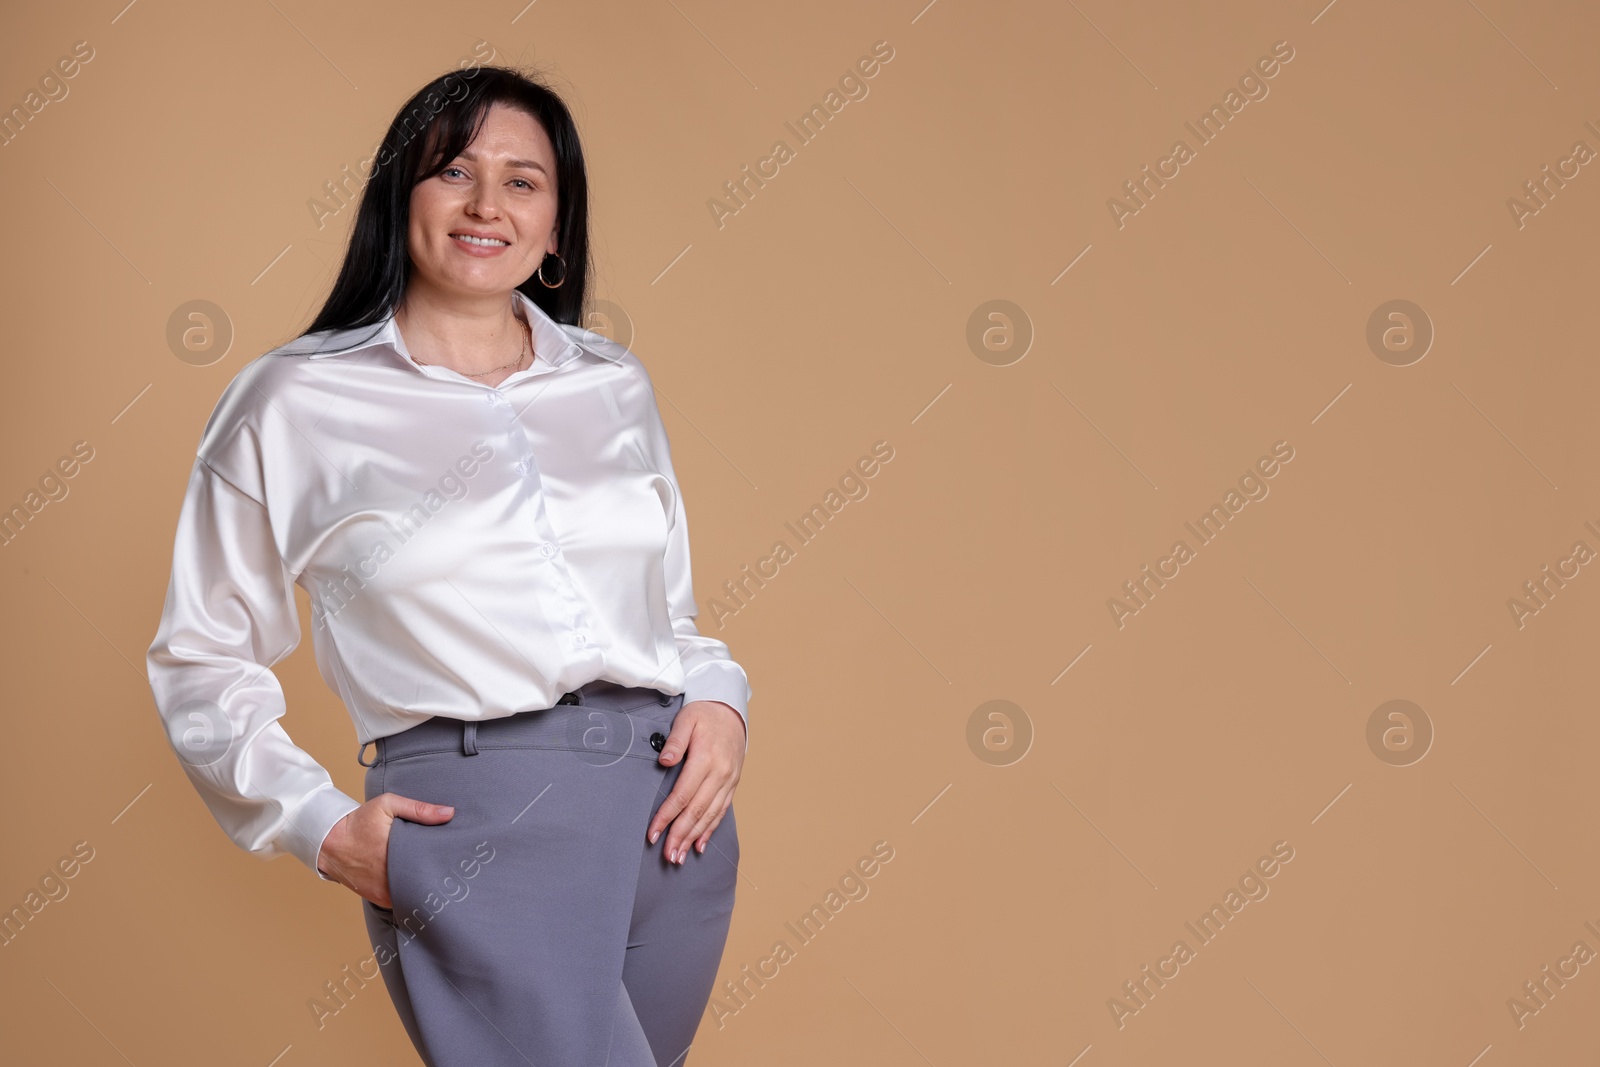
229, 482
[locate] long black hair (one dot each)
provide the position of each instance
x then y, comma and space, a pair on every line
444, 116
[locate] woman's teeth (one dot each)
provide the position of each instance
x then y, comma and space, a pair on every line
488, 242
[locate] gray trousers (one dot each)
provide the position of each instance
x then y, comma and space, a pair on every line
538, 926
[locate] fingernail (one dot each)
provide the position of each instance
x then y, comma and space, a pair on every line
653, 835
447, 809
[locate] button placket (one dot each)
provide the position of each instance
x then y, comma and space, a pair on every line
550, 549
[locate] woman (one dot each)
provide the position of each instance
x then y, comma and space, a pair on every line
478, 497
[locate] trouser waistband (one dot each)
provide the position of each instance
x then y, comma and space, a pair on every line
610, 728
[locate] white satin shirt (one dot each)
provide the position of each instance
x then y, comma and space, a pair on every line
469, 550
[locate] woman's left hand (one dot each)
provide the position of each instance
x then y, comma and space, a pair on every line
712, 735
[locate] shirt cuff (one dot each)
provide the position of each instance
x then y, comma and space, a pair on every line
311, 822
725, 683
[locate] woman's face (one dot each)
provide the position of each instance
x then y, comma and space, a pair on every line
501, 188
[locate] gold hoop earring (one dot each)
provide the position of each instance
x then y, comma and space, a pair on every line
540, 271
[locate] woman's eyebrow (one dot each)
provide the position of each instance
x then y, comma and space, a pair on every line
526, 164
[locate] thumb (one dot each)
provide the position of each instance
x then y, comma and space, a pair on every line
677, 741
418, 810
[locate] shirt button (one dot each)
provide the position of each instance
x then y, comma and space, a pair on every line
579, 639
522, 466
547, 549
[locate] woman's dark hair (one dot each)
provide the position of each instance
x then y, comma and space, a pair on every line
427, 133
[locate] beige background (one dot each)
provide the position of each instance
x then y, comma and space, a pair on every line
832, 312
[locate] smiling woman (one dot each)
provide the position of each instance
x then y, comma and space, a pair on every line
539, 638
479, 227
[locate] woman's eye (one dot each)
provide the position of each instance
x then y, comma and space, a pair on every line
526, 184
447, 170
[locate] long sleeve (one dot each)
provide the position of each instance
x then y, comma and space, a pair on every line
710, 672
229, 616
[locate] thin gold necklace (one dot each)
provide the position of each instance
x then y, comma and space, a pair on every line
522, 349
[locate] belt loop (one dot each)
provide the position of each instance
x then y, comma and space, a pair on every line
377, 753
469, 737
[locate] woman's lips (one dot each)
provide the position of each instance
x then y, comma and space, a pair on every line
478, 246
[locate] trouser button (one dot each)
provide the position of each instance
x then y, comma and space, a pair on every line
658, 740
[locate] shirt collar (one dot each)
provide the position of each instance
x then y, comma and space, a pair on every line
555, 342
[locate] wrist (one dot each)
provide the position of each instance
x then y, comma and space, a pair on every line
327, 852
731, 710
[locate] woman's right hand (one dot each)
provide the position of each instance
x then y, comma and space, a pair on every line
356, 851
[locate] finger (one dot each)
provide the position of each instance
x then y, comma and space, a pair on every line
677, 740
683, 794
700, 809
717, 786
418, 810
701, 831
686, 793
705, 838
687, 779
